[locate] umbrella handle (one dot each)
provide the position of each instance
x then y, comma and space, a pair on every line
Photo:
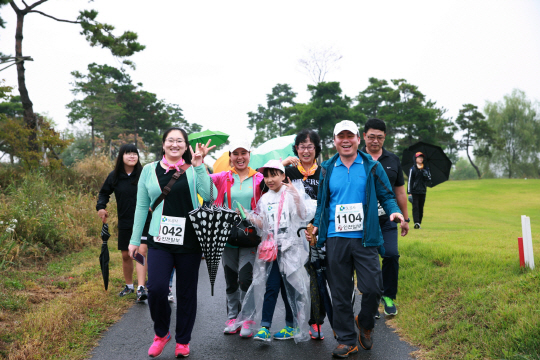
298, 232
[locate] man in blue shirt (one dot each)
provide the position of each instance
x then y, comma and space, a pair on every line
347, 220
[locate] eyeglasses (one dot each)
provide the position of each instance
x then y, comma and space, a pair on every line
173, 141
132, 154
304, 148
373, 137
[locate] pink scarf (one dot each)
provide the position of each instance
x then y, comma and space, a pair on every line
173, 166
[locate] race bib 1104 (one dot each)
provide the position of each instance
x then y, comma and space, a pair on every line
349, 217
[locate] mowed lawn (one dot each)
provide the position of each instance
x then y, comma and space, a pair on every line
462, 294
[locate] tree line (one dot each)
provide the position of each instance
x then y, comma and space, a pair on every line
503, 140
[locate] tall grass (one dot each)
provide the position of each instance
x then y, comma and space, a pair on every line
44, 212
462, 294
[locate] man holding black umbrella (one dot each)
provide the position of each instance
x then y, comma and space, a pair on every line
374, 136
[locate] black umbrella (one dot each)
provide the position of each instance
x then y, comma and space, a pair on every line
104, 256
320, 298
434, 158
212, 225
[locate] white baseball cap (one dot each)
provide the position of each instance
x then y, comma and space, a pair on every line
346, 125
272, 164
241, 144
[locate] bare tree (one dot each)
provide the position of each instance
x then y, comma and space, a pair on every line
319, 62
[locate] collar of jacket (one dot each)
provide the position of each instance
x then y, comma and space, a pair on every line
250, 173
368, 162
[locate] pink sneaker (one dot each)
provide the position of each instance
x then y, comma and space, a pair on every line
231, 327
159, 344
246, 331
182, 350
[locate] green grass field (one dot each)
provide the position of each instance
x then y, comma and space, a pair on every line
462, 294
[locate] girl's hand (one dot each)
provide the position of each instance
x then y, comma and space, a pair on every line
290, 187
133, 249
205, 149
103, 214
196, 156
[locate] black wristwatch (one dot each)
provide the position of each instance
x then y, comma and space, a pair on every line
408, 220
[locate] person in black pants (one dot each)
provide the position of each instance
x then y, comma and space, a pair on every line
173, 242
419, 178
122, 181
374, 136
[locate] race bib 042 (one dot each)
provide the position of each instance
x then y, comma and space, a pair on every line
171, 230
349, 217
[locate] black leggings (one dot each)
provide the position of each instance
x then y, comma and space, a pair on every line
418, 201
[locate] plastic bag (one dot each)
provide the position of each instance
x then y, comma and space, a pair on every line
268, 249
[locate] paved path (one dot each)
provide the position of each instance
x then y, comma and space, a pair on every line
131, 337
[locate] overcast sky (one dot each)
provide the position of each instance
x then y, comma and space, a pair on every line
219, 59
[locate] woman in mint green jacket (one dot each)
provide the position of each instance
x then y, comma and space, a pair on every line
172, 242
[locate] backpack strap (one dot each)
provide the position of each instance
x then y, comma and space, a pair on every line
167, 189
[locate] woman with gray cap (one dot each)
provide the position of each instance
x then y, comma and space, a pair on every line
240, 184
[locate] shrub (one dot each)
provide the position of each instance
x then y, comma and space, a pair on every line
93, 171
49, 219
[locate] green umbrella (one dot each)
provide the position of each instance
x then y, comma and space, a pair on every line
217, 137
274, 149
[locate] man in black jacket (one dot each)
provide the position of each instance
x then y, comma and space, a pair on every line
419, 178
374, 136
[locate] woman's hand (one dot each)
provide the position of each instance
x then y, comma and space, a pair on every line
133, 249
205, 149
291, 160
103, 214
196, 156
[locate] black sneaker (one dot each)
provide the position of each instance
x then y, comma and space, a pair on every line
141, 294
389, 306
364, 336
343, 351
127, 290
377, 314
417, 226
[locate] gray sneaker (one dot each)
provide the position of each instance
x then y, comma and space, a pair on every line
141, 294
127, 290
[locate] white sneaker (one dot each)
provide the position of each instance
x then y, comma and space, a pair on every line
246, 331
231, 327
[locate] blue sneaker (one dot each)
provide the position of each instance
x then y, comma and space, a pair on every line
285, 334
263, 335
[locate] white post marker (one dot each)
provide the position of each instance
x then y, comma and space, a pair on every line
527, 241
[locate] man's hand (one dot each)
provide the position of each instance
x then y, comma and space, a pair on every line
314, 232
397, 217
404, 229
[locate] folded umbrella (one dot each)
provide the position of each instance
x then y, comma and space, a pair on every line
104, 255
434, 158
212, 225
